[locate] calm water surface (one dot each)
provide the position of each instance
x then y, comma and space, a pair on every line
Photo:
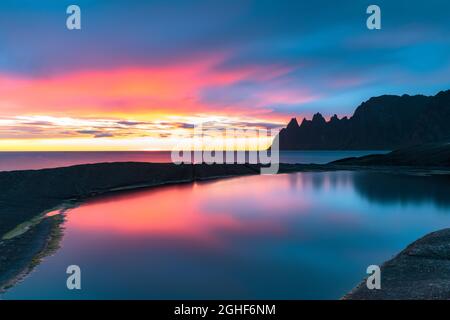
296, 236
40, 160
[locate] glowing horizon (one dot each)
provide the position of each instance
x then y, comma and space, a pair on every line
130, 78
128, 108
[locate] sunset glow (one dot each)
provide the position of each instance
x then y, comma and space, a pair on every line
128, 108
131, 79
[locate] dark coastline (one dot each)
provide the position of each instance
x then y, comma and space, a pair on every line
21, 254
28, 194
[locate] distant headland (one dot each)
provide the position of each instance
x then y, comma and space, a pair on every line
386, 122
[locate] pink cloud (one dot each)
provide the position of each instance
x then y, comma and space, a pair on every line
173, 89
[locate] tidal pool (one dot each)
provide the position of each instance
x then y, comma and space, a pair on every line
289, 236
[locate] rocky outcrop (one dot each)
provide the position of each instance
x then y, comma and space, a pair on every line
425, 155
421, 271
387, 122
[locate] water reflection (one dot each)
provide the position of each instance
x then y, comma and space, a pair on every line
397, 188
293, 236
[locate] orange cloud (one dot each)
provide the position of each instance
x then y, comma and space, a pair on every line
125, 90
173, 89
103, 103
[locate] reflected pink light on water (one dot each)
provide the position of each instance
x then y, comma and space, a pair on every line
178, 212
251, 191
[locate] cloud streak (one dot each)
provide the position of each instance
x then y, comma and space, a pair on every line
158, 66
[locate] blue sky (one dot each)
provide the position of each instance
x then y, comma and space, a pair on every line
326, 43
270, 60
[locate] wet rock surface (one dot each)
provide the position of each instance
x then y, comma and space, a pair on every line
421, 271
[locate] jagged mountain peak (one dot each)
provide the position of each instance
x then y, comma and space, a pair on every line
292, 124
318, 118
381, 123
334, 118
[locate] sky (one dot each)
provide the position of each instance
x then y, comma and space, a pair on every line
140, 74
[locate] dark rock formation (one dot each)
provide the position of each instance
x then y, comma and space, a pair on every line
382, 123
21, 254
421, 271
424, 155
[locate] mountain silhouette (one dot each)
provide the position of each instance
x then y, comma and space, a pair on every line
381, 123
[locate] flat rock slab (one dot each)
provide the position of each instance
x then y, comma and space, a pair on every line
421, 271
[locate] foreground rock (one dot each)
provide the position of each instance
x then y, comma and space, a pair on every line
432, 154
21, 254
421, 271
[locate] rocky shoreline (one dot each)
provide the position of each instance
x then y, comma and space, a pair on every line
21, 254
419, 272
